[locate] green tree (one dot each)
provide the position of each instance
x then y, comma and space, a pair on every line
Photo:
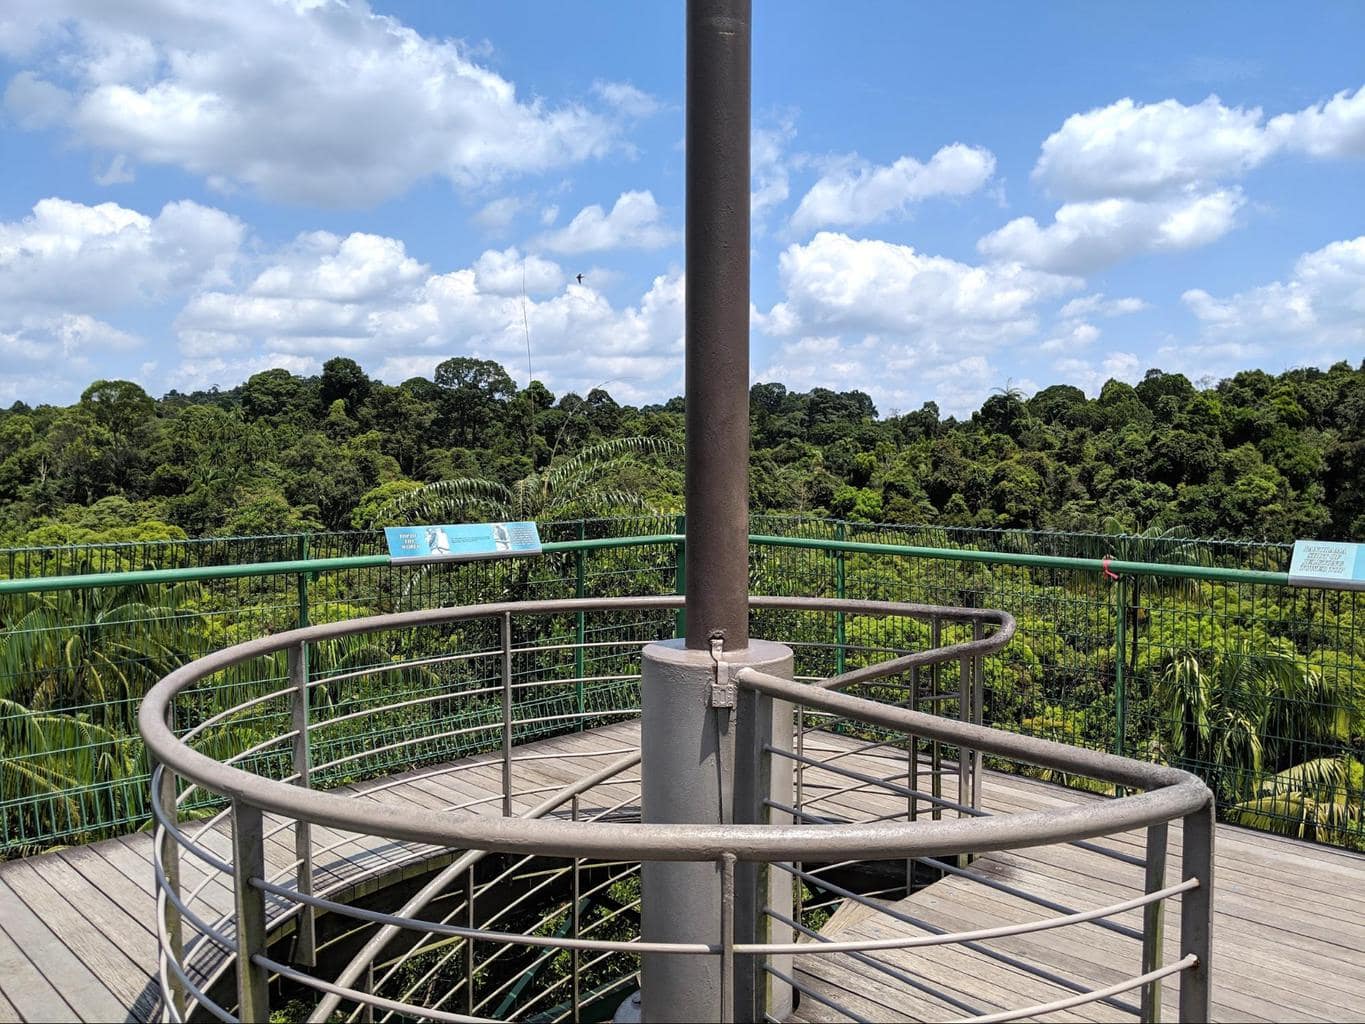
578, 486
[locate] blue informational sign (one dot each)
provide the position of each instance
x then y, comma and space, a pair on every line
461, 541
1323, 563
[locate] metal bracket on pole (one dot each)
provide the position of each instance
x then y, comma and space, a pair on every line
722, 682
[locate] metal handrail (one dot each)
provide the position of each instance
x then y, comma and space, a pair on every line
1174, 792
1170, 793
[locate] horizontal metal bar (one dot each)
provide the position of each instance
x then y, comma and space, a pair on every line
309, 981
1039, 1009
143, 577
807, 991
1007, 959
976, 934
207, 930
1015, 891
486, 935
1001, 743
200, 996
905, 977
1183, 792
1087, 565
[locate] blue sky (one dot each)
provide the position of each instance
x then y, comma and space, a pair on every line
948, 199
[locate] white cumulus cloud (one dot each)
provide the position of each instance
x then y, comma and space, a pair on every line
324, 103
362, 295
635, 221
897, 322
1144, 150
1100, 305
857, 193
1318, 312
1138, 177
1088, 236
67, 254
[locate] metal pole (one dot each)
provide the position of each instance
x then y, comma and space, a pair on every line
303, 583
306, 942
471, 924
1196, 914
248, 862
506, 714
727, 938
574, 959
1153, 917
1120, 655
978, 712
580, 627
840, 628
717, 322
680, 577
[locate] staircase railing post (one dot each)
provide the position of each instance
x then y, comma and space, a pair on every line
248, 862
506, 714
1196, 913
1153, 919
306, 942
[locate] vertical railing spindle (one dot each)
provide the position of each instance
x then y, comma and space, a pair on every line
1196, 914
1153, 919
506, 714
575, 965
727, 938
306, 943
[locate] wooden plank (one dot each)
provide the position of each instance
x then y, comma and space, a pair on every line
87, 996
27, 991
83, 870
1285, 910
107, 940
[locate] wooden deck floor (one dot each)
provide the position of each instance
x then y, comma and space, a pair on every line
1289, 927
77, 938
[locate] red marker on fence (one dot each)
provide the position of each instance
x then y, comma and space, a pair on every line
1105, 566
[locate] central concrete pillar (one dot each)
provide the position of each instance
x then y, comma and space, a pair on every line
706, 765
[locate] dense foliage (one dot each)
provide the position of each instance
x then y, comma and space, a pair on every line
1257, 455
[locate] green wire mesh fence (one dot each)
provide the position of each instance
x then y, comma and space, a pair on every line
1193, 652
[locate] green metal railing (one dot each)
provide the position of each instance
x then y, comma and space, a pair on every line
1193, 652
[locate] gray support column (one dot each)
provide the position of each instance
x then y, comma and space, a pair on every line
705, 765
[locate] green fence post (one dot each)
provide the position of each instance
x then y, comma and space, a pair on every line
580, 633
839, 592
1120, 658
303, 582
680, 576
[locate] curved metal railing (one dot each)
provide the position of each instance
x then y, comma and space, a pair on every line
269, 786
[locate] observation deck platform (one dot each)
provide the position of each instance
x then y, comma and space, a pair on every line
78, 926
